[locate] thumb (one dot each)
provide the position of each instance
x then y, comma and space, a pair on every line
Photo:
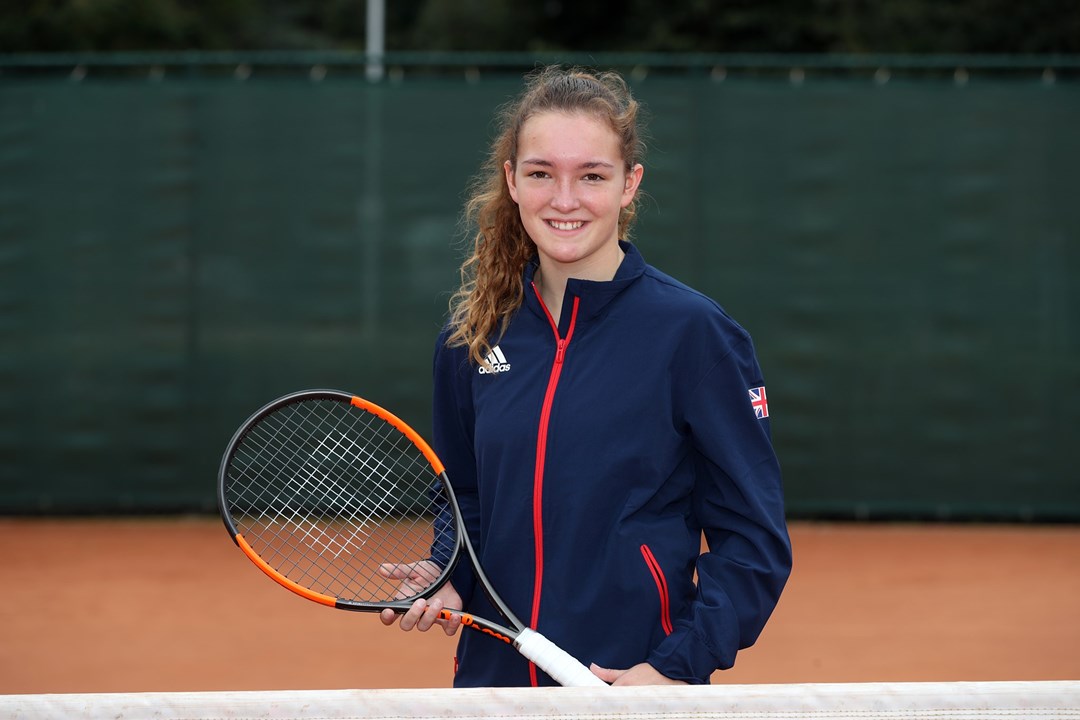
606, 674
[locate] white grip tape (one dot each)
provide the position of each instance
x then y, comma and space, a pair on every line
555, 661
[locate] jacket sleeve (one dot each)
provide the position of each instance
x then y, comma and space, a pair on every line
738, 504
452, 440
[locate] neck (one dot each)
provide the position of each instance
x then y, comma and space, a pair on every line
551, 292
551, 277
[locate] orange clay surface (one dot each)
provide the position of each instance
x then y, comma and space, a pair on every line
141, 605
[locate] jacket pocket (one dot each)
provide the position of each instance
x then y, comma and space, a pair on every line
661, 587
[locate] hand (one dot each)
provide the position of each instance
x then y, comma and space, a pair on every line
423, 613
415, 577
640, 674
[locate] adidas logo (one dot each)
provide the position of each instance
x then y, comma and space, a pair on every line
497, 361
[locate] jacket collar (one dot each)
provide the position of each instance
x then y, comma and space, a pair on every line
595, 295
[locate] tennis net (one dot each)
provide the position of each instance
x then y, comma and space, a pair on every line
865, 701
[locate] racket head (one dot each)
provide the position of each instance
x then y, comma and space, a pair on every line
321, 489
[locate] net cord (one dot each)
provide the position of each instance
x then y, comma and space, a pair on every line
1044, 700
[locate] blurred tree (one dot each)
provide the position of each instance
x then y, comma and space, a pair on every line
775, 26
737, 26
104, 25
499, 25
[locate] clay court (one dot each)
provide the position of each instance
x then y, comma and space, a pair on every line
164, 604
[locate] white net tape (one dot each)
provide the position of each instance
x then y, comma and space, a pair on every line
868, 701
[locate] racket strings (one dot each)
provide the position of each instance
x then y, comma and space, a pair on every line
327, 493
330, 448
380, 502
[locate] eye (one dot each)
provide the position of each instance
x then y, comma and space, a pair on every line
594, 177
538, 174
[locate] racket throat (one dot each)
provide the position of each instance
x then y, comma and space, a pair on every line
485, 626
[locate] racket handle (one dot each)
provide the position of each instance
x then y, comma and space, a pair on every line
555, 661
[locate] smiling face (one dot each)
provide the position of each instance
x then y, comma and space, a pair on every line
570, 184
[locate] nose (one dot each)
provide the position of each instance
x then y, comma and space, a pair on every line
564, 198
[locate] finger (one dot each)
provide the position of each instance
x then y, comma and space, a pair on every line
406, 590
431, 615
388, 617
396, 571
426, 572
451, 622
606, 674
413, 614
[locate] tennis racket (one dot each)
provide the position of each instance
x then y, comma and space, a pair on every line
330, 495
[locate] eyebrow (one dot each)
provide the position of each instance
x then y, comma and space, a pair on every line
589, 165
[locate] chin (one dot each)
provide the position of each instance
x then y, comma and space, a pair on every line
564, 258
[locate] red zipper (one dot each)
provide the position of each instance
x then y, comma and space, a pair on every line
541, 452
661, 586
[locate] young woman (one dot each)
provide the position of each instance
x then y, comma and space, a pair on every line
597, 417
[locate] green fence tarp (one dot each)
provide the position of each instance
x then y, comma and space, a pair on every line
174, 254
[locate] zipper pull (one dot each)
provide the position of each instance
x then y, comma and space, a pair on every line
559, 351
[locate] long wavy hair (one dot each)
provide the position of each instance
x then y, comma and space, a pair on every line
491, 289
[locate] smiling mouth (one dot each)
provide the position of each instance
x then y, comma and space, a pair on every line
565, 225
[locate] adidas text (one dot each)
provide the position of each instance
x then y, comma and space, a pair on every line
495, 368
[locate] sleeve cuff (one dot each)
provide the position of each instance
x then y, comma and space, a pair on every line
685, 656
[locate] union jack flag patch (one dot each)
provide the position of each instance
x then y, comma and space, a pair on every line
759, 402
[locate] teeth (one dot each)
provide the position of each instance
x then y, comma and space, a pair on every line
565, 225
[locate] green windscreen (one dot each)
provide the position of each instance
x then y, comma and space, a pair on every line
176, 253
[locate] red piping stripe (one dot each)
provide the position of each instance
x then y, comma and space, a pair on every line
541, 452
661, 585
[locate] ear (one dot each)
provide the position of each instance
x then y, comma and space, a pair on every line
511, 184
633, 180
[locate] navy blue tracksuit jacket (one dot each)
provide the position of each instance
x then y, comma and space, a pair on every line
588, 462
